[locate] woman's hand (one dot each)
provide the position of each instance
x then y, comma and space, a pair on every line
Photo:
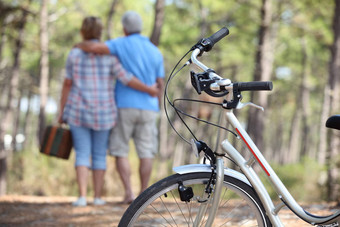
60, 119
154, 90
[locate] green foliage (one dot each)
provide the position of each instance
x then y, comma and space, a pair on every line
305, 180
185, 22
32, 173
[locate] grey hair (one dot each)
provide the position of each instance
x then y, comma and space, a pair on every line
132, 22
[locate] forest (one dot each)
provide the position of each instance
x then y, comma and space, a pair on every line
294, 44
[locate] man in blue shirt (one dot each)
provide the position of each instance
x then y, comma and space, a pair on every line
137, 111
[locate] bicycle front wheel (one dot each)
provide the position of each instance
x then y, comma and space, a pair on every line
160, 204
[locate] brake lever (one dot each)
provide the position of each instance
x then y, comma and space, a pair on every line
240, 105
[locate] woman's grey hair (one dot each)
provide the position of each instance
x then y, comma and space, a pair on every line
132, 22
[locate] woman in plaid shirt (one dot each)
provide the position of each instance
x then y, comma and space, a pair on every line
88, 106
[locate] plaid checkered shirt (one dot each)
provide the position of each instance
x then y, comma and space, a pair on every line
91, 101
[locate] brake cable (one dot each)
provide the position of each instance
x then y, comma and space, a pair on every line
179, 111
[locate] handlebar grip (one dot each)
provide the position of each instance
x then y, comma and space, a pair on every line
217, 36
255, 86
207, 44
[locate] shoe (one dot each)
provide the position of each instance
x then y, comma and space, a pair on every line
81, 202
98, 202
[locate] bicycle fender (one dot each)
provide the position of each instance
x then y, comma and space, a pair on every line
194, 168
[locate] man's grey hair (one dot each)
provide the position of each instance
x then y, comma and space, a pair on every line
132, 22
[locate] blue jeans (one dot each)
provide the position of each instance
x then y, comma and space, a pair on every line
90, 144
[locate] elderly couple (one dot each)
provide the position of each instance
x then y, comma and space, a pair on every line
93, 104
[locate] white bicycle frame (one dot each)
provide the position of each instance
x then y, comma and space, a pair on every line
250, 177
281, 190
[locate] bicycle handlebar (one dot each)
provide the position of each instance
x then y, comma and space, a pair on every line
208, 43
212, 83
255, 86
219, 35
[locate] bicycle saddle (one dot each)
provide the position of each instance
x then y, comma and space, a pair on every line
333, 122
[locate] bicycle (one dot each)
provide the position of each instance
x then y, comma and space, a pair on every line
210, 194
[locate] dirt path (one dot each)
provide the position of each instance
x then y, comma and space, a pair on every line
57, 211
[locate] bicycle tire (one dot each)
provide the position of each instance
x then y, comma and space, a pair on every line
239, 205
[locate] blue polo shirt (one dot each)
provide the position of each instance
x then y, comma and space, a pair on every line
143, 59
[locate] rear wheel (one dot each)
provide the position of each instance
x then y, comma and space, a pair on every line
160, 204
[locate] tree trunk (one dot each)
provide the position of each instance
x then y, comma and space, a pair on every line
322, 129
164, 150
12, 101
158, 23
5, 18
16, 122
263, 69
3, 78
333, 171
109, 19
304, 96
3, 170
334, 84
292, 155
43, 65
203, 20
27, 115
2, 39
299, 130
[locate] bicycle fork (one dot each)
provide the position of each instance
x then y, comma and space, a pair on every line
215, 196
